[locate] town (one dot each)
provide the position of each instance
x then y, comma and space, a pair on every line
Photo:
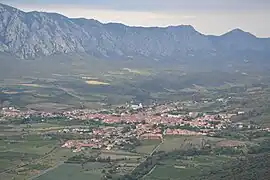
124, 126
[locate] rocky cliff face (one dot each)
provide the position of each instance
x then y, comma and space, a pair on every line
33, 34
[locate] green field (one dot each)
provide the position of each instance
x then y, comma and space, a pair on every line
147, 146
10, 159
184, 169
34, 144
26, 155
180, 142
74, 172
170, 172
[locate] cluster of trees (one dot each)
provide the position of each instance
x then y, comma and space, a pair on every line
178, 112
184, 127
142, 169
227, 151
82, 159
264, 147
131, 144
97, 123
241, 135
247, 115
38, 119
251, 167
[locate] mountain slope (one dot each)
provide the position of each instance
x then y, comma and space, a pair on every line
33, 34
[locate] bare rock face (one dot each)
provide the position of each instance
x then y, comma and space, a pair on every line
34, 34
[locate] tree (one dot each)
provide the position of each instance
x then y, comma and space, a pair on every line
111, 171
109, 176
108, 159
82, 164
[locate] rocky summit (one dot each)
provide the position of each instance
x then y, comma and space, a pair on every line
34, 34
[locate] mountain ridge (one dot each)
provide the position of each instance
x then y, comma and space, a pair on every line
36, 34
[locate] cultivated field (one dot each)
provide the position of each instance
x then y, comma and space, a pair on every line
75, 171
184, 169
147, 146
95, 82
180, 142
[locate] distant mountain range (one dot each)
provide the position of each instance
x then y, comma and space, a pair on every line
35, 34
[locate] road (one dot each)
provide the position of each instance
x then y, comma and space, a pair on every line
46, 171
68, 92
149, 172
156, 148
151, 154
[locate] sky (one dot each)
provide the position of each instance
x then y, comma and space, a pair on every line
207, 16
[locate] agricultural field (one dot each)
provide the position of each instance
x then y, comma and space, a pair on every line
30, 165
123, 162
72, 83
147, 146
177, 142
180, 143
184, 169
36, 144
96, 82
75, 171
25, 151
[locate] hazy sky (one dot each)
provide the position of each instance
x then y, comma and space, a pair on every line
207, 16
